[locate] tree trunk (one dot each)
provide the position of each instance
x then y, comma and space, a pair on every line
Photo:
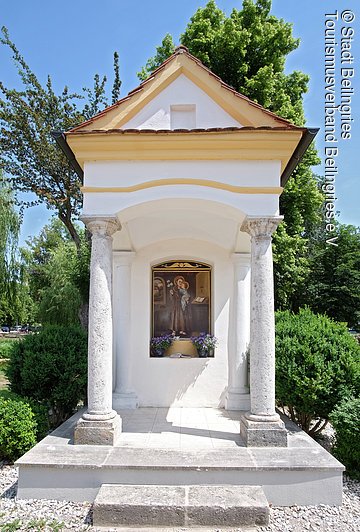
71, 228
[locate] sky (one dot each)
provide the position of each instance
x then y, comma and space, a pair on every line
74, 39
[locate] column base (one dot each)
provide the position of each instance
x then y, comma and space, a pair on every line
237, 400
127, 400
89, 432
263, 433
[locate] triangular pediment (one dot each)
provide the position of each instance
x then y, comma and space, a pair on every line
182, 94
182, 104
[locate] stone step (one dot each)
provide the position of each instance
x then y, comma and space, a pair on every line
120, 505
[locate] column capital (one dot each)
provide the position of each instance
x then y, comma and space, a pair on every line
261, 226
101, 225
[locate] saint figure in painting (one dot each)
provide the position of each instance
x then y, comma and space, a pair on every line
180, 315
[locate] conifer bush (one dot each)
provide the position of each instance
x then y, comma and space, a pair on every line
317, 365
50, 368
17, 428
345, 420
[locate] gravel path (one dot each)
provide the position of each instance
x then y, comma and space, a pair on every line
35, 515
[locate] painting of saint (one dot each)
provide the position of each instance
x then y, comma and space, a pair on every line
181, 299
181, 309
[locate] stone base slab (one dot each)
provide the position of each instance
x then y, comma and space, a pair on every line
263, 434
178, 506
303, 473
97, 432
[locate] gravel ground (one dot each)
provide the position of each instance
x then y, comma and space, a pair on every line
35, 515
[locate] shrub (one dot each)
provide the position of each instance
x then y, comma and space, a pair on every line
39, 411
317, 364
6, 347
345, 420
17, 428
50, 368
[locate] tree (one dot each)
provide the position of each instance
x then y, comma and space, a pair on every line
28, 154
9, 232
58, 275
248, 50
163, 51
9, 267
334, 284
117, 82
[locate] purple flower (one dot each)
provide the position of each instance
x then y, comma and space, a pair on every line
161, 342
204, 341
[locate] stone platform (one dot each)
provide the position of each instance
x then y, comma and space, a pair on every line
180, 447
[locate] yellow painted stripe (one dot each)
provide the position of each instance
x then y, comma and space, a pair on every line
186, 181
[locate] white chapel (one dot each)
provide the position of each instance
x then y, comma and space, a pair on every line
181, 185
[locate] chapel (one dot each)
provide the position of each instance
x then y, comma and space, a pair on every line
181, 185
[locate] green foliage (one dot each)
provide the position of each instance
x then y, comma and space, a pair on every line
13, 525
40, 412
248, 50
7, 346
58, 274
9, 231
32, 525
17, 428
50, 368
345, 420
96, 98
334, 284
163, 51
80, 274
28, 153
317, 364
60, 299
115, 94
9, 267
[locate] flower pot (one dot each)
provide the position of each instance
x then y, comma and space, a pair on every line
159, 352
203, 352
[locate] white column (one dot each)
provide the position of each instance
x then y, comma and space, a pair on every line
124, 396
100, 424
262, 426
237, 397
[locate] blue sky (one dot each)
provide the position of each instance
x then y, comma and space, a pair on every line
73, 39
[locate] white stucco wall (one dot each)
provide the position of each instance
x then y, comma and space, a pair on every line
238, 173
170, 222
182, 91
129, 173
181, 382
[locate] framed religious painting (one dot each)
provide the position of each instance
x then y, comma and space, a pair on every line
181, 299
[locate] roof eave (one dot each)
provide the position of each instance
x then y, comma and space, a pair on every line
305, 141
60, 139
